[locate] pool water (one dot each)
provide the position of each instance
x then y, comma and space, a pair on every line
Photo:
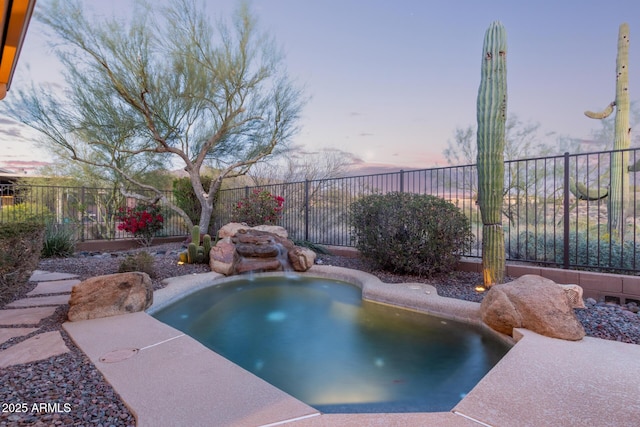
318, 341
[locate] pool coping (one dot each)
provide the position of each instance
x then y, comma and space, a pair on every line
173, 379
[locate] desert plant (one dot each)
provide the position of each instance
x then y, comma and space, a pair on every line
196, 253
492, 111
410, 233
588, 251
140, 261
59, 241
20, 248
619, 187
186, 199
143, 221
25, 212
260, 207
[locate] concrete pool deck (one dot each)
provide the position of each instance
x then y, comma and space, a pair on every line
167, 378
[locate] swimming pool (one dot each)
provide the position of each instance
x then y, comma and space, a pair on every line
317, 340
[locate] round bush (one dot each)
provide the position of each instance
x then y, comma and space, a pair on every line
410, 233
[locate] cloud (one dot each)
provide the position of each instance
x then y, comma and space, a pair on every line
365, 134
13, 133
7, 121
12, 129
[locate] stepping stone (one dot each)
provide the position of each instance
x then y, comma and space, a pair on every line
7, 333
39, 347
45, 276
56, 287
25, 316
39, 301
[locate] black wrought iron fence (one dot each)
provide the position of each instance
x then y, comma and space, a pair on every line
555, 212
89, 212
557, 209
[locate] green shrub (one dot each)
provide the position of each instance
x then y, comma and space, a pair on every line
141, 261
25, 212
260, 207
586, 250
59, 241
20, 248
185, 198
410, 233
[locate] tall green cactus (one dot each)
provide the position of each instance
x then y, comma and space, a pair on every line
492, 116
619, 186
206, 245
195, 235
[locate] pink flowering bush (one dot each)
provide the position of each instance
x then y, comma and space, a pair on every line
142, 221
261, 207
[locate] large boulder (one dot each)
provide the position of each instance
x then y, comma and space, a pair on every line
110, 295
301, 259
535, 303
221, 256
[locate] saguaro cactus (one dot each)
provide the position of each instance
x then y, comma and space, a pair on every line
619, 186
492, 115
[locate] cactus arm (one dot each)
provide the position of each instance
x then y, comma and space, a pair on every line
634, 167
195, 235
602, 114
491, 115
206, 245
192, 253
582, 192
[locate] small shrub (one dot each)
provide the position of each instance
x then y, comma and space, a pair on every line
20, 248
261, 207
141, 261
586, 250
59, 241
410, 233
143, 221
25, 212
185, 198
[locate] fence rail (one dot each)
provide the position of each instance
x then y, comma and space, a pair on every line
555, 212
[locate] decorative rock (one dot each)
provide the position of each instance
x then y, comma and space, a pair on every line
301, 259
231, 229
110, 295
273, 229
262, 248
244, 265
574, 293
534, 303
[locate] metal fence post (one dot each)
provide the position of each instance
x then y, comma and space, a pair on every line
401, 181
83, 214
306, 209
565, 205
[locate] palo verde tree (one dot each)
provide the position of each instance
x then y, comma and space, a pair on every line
166, 88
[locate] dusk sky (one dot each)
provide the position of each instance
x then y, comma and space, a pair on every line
390, 81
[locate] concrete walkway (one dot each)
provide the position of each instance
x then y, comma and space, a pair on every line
21, 318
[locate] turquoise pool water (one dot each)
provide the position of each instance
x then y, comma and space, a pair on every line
318, 341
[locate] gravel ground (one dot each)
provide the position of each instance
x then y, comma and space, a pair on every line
73, 380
